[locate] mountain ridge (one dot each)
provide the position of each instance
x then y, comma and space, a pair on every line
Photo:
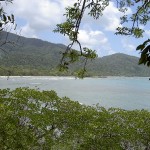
34, 56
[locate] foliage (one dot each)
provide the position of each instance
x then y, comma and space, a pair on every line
71, 29
145, 53
139, 17
35, 120
4, 21
95, 9
4, 18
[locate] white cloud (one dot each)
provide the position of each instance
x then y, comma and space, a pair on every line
147, 32
27, 31
127, 45
38, 15
111, 18
92, 38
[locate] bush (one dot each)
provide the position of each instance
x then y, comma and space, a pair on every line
40, 120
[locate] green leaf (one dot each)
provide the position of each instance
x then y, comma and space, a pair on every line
148, 64
143, 59
140, 47
4, 18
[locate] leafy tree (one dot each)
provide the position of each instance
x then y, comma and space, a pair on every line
4, 18
95, 9
40, 120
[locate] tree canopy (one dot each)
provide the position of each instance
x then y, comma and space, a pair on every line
34, 120
95, 9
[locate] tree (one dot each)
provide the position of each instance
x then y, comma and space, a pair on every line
40, 120
4, 21
4, 18
95, 9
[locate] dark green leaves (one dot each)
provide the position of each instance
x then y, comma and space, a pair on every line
89, 54
145, 53
137, 18
136, 32
4, 18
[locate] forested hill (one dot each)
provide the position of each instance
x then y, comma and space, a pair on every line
30, 56
119, 65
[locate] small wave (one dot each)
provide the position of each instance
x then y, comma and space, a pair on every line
35, 83
38, 77
47, 78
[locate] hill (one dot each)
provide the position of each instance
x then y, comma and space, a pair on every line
30, 56
119, 65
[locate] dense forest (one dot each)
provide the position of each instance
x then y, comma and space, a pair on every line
34, 120
29, 56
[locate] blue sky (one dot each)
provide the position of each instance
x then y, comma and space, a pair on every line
38, 18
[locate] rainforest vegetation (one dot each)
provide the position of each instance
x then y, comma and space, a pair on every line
40, 120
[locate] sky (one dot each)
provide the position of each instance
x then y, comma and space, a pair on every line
38, 19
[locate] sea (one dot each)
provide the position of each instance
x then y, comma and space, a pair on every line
127, 93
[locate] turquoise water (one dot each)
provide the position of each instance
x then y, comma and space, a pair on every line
123, 92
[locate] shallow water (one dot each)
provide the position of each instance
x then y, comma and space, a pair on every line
122, 92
